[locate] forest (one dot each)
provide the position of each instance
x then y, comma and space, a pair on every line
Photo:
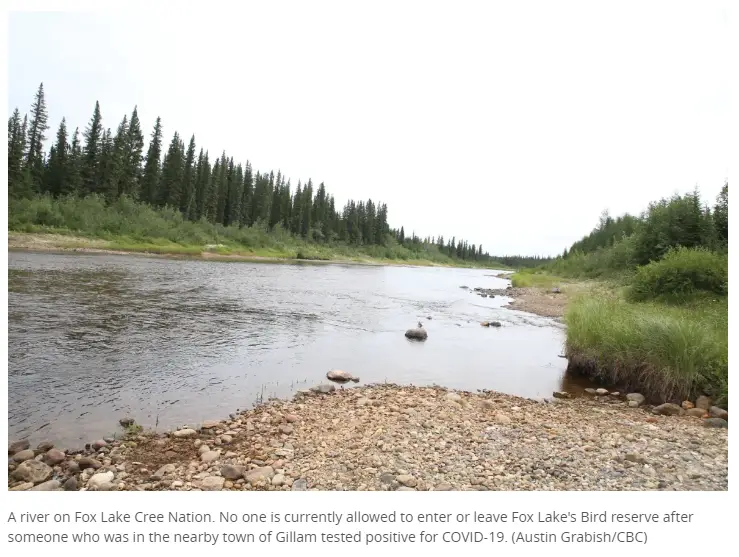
202, 187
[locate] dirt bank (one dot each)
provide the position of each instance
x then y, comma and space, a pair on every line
386, 437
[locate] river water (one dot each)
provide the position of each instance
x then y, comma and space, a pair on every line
93, 338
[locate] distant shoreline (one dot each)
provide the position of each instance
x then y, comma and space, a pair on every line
63, 244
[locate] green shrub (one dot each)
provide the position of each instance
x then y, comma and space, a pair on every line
682, 274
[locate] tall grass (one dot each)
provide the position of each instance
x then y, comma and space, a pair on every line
667, 353
526, 278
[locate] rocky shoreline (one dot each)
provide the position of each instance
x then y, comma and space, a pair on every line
389, 437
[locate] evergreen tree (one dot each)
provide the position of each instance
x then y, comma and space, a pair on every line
74, 166
152, 171
134, 146
57, 174
188, 190
37, 128
285, 206
18, 186
91, 165
721, 216
247, 197
116, 182
173, 170
276, 203
222, 189
106, 175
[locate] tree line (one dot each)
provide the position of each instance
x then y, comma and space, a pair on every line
680, 221
200, 185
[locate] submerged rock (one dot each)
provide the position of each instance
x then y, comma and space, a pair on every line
126, 422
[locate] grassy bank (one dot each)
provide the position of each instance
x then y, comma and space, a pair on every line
666, 352
128, 226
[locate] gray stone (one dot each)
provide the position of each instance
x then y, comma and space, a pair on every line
44, 446
18, 446
407, 480
126, 422
226, 439
99, 444
636, 397
601, 392
24, 455
265, 473
590, 391
715, 422
71, 484
633, 404
187, 432
704, 402
212, 483
287, 429
341, 376
202, 449
210, 424
32, 471
163, 471
25, 486
73, 467
695, 412
561, 394
50, 485
387, 478
300, 485
278, 480
54, 457
87, 462
419, 333
716, 412
668, 409
210, 456
232, 471
443, 487
99, 479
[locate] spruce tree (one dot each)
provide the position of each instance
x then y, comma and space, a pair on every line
152, 171
188, 193
17, 185
56, 177
91, 165
221, 189
134, 146
173, 170
115, 185
37, 128
74, 165
247, 196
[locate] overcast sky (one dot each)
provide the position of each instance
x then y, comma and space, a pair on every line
513, 124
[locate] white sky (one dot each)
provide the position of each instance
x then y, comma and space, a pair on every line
513, 124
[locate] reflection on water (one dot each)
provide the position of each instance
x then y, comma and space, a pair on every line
93, 338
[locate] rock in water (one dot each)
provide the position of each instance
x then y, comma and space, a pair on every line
419, 333
323, 389
668, 409
18, 446
341, 376
126, 422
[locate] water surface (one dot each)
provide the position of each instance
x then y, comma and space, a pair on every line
93, 338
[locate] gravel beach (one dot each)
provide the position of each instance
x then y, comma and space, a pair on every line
388, 437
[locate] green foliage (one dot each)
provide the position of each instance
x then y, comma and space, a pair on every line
669, 353
530, 278
683, 273
721, 217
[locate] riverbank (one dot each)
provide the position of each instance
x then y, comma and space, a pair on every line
65, 243
387, 437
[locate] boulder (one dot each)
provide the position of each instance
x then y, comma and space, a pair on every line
697, 412
32, 471
636, 397
716, 412
668, 409
98, 444
715, 422
18, 446
561, 394
341, 376
187, 432
601, 392
54, 457
704, 402
419, 333
126, 422
590, 391
44, 446
87, 462
687, 405
24, 455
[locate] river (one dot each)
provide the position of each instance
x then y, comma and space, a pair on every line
93, 338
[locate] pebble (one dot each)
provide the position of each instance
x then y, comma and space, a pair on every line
232, 471
99, 480
300, 484
264, 473
210, 456
212, 483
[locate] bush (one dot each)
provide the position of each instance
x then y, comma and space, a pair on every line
683, 273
